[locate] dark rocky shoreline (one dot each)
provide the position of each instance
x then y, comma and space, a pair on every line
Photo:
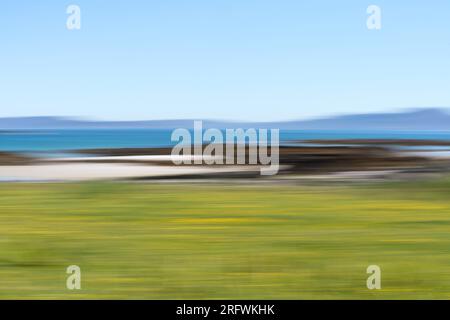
313, 158
356, 155
11, 159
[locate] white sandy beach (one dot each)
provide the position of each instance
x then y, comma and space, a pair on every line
99, 171
146, 158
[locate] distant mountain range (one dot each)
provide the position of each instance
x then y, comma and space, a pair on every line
421, 119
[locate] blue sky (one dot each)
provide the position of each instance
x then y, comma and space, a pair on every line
222, 59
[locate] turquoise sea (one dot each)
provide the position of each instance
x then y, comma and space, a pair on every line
66, 140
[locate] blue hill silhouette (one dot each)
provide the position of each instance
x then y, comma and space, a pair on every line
420, 119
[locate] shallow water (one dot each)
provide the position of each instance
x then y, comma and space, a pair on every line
64, 140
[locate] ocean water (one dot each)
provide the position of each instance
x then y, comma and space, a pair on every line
66, 140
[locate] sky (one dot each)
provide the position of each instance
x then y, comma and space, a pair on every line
222, 59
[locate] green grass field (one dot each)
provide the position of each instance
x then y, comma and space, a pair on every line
149, 241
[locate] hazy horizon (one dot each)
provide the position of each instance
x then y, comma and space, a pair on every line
325, 116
